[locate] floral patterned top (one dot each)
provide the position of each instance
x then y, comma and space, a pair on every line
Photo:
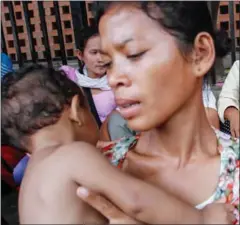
227, 190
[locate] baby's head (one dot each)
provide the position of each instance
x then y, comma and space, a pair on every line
41, 101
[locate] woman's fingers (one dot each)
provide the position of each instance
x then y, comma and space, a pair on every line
98, 202
229, 207
233, 133
102, 144
234, 125
237, 130
230, 213
105, 207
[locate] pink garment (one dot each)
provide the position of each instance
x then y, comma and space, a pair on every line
104, 101
70, 72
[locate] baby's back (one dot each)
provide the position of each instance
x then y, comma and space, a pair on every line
51, 197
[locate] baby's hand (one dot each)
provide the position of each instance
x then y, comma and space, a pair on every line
218, 214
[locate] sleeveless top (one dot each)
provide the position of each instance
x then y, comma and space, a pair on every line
227, 190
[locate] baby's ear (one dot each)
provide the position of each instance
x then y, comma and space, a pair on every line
76, 112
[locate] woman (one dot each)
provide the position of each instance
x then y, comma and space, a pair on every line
156, 73
91, 75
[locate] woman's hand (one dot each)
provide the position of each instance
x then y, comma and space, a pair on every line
232, 114
105, 207
103, 144
218, 213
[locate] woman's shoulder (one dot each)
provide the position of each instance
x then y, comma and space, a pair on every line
116, 151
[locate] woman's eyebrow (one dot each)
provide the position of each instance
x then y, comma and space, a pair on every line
121, 44
118, 44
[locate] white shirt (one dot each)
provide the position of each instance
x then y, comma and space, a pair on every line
229, 95
209, 100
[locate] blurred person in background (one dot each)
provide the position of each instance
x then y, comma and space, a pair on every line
228, 103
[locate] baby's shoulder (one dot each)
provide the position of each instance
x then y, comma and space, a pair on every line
45, 167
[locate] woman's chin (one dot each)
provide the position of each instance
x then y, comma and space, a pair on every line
100, 73
139, 124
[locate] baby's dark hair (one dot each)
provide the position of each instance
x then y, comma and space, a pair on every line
182, 19
86, 33
32, 98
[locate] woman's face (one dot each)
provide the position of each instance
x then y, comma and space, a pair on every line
93, 57
148, 74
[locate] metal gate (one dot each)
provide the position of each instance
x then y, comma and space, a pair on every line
59, 25
19, 19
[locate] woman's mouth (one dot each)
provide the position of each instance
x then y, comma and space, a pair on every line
101, 67
128, 108
129, 105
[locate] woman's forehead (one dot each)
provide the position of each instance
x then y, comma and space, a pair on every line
94, 42
126, 24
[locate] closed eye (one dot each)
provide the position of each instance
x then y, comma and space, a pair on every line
94, 52
136, 56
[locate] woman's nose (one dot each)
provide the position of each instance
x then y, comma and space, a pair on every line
117, 79
100, 57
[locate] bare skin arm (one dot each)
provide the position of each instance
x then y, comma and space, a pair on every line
136, 198
211, 214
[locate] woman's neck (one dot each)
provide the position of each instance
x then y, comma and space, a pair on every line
184, 136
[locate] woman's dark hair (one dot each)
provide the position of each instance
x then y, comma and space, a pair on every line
85, 34
182, 19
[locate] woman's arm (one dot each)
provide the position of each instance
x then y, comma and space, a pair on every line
229, 96
136, 198
211, 214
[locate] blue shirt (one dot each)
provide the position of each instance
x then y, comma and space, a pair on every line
6, 65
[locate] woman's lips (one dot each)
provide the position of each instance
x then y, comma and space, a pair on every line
128, 108
100, 66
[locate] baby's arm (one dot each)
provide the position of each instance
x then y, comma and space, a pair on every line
136, 198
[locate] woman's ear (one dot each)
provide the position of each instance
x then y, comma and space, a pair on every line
203, 54
76, 112
79, 54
